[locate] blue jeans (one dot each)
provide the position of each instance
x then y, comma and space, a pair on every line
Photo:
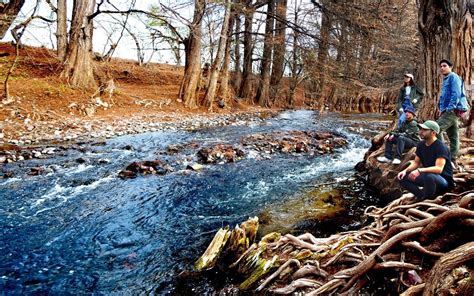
433, 185
402, 118
402, 143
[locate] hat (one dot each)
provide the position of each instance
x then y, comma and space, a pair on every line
411, 110
430, 125
409, 75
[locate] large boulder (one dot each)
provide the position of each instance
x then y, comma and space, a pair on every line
382, 177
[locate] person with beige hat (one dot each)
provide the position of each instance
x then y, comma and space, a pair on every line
410, 96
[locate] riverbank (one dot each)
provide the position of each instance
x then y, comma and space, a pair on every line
86, 129
41, 108
43, 136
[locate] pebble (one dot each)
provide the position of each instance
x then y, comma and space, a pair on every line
90, 129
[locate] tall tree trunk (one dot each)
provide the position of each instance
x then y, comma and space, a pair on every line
445, 28
326, 24
216, 65
341, 60
295, 67
8, 12
223, 92
61, 33
264, 86
78, 68
246, 85
237, 57
189, 84
279, 49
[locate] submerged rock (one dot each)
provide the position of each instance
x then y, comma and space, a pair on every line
195, 167
220, 153
35, 171
7, 174
294, 142
173, 149
147, 167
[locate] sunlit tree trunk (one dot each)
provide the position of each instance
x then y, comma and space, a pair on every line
279, 49
446, 30
237, 56
326, 24
189, 84
264, 85
246, 84
295, 67
216, 65
223, 92
61, 33
78, 68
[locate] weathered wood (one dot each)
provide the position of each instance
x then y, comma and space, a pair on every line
440, 279
414, 290
442, 220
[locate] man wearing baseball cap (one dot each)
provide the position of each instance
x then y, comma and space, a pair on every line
403, 138
431, 168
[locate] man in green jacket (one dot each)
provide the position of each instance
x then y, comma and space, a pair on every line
405, 137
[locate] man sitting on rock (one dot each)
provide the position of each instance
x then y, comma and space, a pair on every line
431, 168
405, 137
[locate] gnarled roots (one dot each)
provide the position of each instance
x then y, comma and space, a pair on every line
430, 244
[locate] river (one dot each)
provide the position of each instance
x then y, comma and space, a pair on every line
80, 229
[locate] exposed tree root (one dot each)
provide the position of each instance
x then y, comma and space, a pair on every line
426, 242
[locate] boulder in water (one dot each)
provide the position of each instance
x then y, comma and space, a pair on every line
35, 171
220, 153
295, 142
147, 167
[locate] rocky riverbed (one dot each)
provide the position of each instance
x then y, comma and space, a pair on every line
43, 139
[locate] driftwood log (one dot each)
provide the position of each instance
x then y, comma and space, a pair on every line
429, 243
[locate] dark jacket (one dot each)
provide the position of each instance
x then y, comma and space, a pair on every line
415, 93
408, 129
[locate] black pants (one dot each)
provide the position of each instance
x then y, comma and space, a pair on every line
401, 143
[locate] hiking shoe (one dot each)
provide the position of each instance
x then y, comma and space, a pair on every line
396, 161
383, 159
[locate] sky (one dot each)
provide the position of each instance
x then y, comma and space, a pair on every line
39, 33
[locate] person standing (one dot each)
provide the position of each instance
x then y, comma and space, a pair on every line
452, 105
431, 168
410, 95
403, 138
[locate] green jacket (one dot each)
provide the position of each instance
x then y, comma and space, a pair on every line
415, 93
408, 129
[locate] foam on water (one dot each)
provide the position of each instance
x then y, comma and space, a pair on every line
11, 180
63, 194
79, 169
259, 188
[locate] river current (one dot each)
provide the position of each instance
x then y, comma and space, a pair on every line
81, 229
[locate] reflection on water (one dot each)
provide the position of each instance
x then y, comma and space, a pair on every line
80, 229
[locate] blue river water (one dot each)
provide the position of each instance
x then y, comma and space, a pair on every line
80, 229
